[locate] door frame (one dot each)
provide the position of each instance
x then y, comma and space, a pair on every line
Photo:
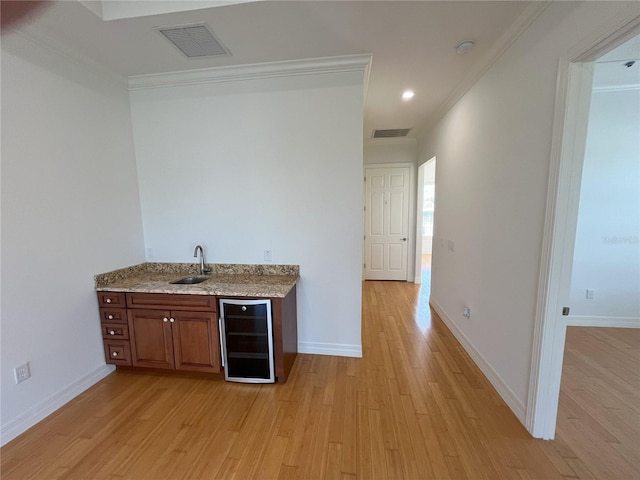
573, 94
411, 248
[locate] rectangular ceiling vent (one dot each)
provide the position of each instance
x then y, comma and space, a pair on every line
194, 40
392, 133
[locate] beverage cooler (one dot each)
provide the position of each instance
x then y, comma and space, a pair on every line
246, 335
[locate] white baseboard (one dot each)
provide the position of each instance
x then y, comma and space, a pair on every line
512, 401
612, 322
16, 426
337, 349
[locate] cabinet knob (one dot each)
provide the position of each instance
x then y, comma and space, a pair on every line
112, 332
108, 300
244, 309
165, 319
172, 319
110, 317
114, 354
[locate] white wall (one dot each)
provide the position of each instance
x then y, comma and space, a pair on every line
493, 151
262, 164
607, 254
70, 209
397, 150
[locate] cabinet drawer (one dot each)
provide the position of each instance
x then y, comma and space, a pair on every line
117, 352
115, 330
164, 301
113, 315
111, 299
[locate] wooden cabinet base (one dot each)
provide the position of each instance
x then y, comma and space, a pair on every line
163, 332
178, 334
285, 334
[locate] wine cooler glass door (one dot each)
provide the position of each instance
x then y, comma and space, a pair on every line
247, 340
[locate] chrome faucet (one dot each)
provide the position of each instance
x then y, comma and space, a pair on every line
203, 267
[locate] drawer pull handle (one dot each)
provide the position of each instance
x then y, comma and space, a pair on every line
244, 309
114, 354
165, 319
172, 319
112, 332
108, 300
110, 317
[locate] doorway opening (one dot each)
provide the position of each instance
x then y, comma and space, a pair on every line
424, 222
558, 304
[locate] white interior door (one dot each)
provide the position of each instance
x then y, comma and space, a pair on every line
386, 223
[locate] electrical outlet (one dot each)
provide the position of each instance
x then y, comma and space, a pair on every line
149, 253
22, 372
451, 245
466, 312
267, 255
589, 295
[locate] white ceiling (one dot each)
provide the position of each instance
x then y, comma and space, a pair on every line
611, 70
412, 42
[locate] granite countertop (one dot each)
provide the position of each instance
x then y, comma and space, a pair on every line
233, 280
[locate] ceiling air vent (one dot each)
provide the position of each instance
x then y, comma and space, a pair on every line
395, 132
194, 40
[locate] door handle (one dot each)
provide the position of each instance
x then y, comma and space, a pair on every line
404, 239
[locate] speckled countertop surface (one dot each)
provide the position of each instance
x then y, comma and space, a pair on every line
233, 280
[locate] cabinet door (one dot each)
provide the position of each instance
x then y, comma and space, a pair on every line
151, 338
195, 341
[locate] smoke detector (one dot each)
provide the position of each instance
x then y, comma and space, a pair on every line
194, 40
464, 47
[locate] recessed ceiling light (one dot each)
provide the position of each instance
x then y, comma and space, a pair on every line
464, 47
408, 94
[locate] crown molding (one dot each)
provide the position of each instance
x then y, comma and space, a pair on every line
256, 71
517, 28
627, 23
51, 45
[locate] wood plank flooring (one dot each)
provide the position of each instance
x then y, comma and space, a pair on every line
598, 428
414, 407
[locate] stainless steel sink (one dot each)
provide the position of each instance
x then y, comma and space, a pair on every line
190, 280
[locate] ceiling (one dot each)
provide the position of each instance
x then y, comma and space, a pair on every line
613, 69
413, 43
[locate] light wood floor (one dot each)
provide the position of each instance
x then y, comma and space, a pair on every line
598, 428
414, 407
426, 272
